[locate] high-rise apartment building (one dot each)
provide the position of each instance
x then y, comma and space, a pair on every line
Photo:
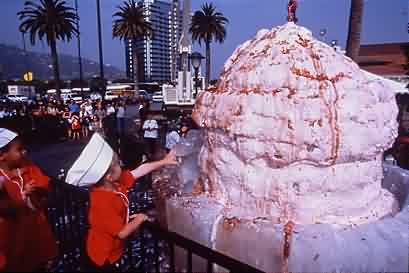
157, 56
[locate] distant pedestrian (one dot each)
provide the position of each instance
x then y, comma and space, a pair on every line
76, 126
110, 109
96, 126
151, 134
120, 119
74, 107
172, 137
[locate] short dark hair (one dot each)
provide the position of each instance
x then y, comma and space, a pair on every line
5, 149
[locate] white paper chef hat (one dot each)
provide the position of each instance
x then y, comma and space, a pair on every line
6, 136
92, 164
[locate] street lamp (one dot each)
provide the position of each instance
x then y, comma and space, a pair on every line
196, 59
323, 32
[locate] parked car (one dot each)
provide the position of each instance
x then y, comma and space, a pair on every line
146, 96
109, 95
157, 96
71, 96
95, 96
17, 98
77, 97
4, 99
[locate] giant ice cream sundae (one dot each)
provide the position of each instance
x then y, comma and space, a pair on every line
291, 162
295, 132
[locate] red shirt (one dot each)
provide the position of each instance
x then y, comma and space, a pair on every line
29, 242
107, 216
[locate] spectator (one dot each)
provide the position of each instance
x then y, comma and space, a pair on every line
110, 109
151, 134
172, 137
184, 130
85, 122
66, 116
120, 118
2, 112
75, 126
100, 113
95, 125
88, 108
74, 107
52, 110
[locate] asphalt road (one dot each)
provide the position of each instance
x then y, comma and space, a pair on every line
53, 157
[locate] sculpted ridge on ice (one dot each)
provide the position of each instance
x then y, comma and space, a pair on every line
295, 131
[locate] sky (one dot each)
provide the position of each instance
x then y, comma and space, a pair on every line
384, 21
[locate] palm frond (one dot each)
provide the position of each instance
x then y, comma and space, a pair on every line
50, 19
208, 25
129, 22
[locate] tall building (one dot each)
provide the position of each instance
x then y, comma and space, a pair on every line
157, 57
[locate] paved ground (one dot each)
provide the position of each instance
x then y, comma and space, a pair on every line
54, 157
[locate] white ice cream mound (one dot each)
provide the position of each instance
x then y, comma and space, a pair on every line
295, 131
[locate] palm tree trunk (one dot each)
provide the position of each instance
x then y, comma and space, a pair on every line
56, 68
135, 67
208, 54
355, 29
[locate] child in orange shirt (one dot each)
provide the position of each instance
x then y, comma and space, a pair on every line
30, 244
108, 216
4, 227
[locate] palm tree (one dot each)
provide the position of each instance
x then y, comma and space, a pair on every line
208, 25
355, 29
130, 24
52, 19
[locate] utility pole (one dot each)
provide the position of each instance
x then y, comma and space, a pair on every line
79, 45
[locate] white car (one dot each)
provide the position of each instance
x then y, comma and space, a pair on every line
77, 97
66, 97
157, 96
110, 95
95, 96
17, 98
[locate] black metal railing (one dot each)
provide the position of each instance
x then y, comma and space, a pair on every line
151, 250
191, 247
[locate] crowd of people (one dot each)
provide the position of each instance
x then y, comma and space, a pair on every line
59, 121
55, 120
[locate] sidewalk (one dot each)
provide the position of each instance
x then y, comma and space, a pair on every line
53, 157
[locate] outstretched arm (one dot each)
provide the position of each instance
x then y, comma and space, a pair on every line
144, 169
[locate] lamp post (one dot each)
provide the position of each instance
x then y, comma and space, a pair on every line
79, 45
323, 32
196, 58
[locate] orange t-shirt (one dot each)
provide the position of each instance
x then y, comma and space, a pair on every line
30, 239
107, 216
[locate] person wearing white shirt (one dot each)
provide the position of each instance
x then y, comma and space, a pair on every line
151, 134
120, 118
2, 113
110, 110
89, 110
